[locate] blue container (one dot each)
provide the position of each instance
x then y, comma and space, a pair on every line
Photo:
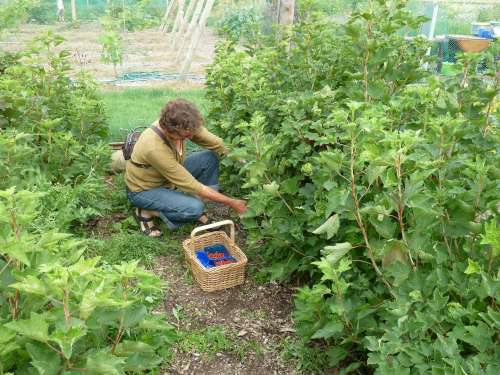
203, 259
485, 33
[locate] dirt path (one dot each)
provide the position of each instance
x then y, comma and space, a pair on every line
144, 51
236, 331
253, 318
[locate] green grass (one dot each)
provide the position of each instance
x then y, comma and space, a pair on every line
128, 246
215, 339
135, 107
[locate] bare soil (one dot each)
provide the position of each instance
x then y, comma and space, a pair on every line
144, 51
256, 318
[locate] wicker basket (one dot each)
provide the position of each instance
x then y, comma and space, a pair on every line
221, 277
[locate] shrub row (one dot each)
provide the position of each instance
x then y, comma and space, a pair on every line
60, 311
373, 181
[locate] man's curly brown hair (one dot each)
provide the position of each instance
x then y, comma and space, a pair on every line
179, 114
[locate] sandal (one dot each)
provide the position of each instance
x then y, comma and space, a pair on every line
145, 228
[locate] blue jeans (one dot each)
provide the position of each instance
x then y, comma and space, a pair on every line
176, 207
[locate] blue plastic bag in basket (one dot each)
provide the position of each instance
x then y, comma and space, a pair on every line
204, 260
214, 256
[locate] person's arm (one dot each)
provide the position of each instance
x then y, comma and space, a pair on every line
202, 137
165, 163
237, 205
174, 172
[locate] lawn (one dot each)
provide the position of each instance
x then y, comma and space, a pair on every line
135, 107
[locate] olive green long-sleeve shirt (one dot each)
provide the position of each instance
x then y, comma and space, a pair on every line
165, 163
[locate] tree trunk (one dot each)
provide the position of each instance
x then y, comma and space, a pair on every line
196, 39
73, 10
286, 12
189, 31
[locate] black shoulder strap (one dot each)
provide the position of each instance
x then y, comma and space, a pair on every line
162, 136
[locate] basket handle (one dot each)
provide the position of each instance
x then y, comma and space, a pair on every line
215, 225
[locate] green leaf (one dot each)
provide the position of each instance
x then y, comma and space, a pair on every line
272, 188
126, 348
44, 359
397, 253
332, 271
337, 198
139, 362
88, 304
492, 237
103, 362
331, 160
335, 253
6, 335
330, 226
386, 227
479, 336
7, 341
472, 267
328, 330
30, 284
67, 338
36, 327
133, 315
84, 266
276, 271
9, 347
374, 172
335, 355
52, 238
291, 185
17, 250
327, 270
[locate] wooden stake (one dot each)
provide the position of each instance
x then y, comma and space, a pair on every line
189, 11
60, 10
187, 35
195, 40
170, 8
73, 10
178, 20
182, 26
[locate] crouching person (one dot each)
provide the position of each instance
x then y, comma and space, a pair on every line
162, 181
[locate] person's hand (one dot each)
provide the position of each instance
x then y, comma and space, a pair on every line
240, 206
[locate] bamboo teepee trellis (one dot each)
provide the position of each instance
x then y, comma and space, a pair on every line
188, 19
